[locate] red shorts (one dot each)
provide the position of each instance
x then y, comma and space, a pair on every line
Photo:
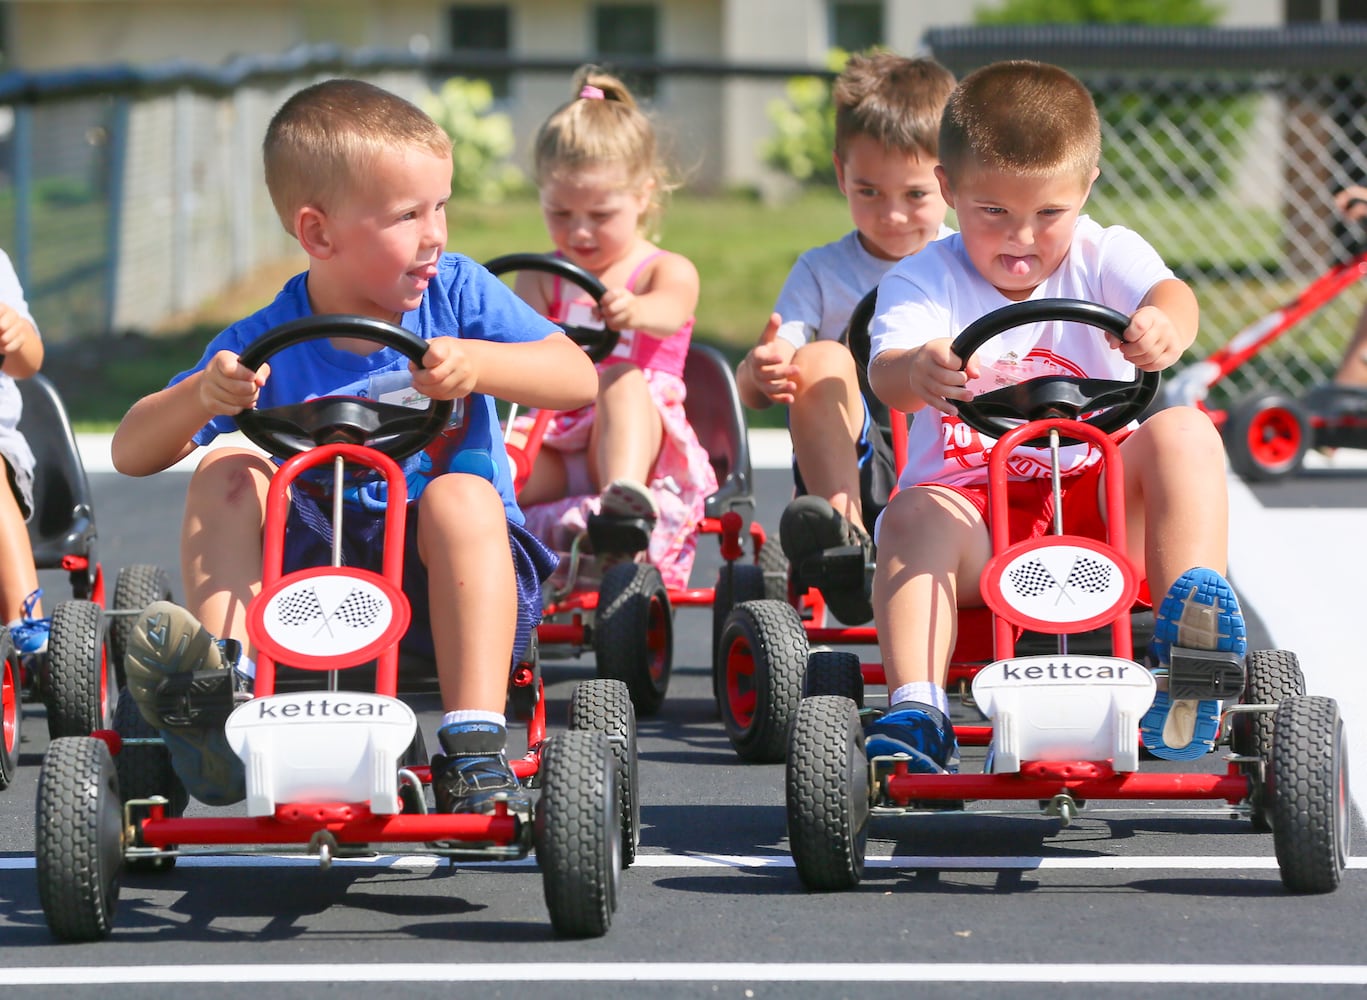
1030, 503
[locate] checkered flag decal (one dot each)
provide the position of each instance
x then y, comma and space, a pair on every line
1089, 575
300, 606
359, 609
1032, 579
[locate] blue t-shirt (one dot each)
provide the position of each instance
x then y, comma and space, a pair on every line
463, 300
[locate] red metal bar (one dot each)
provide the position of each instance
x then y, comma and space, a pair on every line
857, 634
365, 830
273, 541
695, 597
561, 634
1232, 788
999, 511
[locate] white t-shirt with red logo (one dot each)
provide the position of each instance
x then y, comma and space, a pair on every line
938, 292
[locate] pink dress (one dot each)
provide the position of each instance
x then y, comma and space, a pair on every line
682, 477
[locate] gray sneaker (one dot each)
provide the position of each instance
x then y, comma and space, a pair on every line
178, 677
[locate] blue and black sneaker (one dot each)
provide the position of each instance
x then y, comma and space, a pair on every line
473, 775
920, 732
1200, 611
28, 633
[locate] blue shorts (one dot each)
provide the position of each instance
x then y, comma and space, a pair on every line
308, 542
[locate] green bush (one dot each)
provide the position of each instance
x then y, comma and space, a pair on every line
482, 141
804, 127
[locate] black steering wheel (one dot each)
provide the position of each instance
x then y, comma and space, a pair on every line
1113, 404
597, 342
398, 431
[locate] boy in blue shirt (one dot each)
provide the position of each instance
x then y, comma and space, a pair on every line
362, 179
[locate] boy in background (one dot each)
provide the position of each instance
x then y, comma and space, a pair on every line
887, 121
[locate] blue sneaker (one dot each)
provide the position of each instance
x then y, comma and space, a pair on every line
919, 732
1199, 612
473, 774
30, 634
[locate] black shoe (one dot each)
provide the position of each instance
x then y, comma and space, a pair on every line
473, 775
829, 553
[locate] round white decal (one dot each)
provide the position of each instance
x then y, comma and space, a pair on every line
327, 615
1062, 583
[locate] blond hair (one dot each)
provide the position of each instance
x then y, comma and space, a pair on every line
893, 100
321, 141
1024, 118
602, 124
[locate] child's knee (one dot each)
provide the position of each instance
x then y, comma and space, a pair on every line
825, 359
458, 505
1182, 435
230, 478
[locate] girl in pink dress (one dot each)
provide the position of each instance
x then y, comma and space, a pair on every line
632, 451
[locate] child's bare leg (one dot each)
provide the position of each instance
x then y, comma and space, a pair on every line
463, 542
220, 544
933, 545
548, 479
627, 432
825, 420
932, 549
1176, 500
1178, 514
18, 578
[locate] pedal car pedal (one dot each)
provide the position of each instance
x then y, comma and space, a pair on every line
840, 567
201, 698
1205, 673
618, 533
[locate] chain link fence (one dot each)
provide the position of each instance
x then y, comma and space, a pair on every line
129, 197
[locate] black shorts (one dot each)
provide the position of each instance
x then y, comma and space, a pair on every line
877, 466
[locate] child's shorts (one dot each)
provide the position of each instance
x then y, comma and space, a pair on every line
308, 542
877, 467
1030, 505
20, 483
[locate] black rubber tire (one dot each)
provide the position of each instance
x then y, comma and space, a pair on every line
1267, 436
1308, 788
578, 835
835, 672
737, 583
79, 839
633, 633
764, 657
774, 564
134, 588
601, 706
1274, 675
828, 794
145, 771
78, 687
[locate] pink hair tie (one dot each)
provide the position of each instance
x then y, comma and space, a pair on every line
591, 93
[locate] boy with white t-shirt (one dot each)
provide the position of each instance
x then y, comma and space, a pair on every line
1020, 144
887, 122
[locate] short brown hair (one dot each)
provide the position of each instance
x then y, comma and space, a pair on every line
1021, 117
893, 100
323, 138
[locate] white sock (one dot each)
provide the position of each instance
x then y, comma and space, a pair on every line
474, 715
922, 692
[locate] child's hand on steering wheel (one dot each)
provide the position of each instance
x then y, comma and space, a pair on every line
1152, 342
939, 376
447, 371
227, 387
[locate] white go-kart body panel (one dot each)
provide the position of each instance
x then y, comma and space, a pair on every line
1062, 707
321, 746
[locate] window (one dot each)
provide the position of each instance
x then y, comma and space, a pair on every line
856, 26
629, 31
487, 30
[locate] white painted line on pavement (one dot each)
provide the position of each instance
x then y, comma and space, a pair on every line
704, 972
943, 862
